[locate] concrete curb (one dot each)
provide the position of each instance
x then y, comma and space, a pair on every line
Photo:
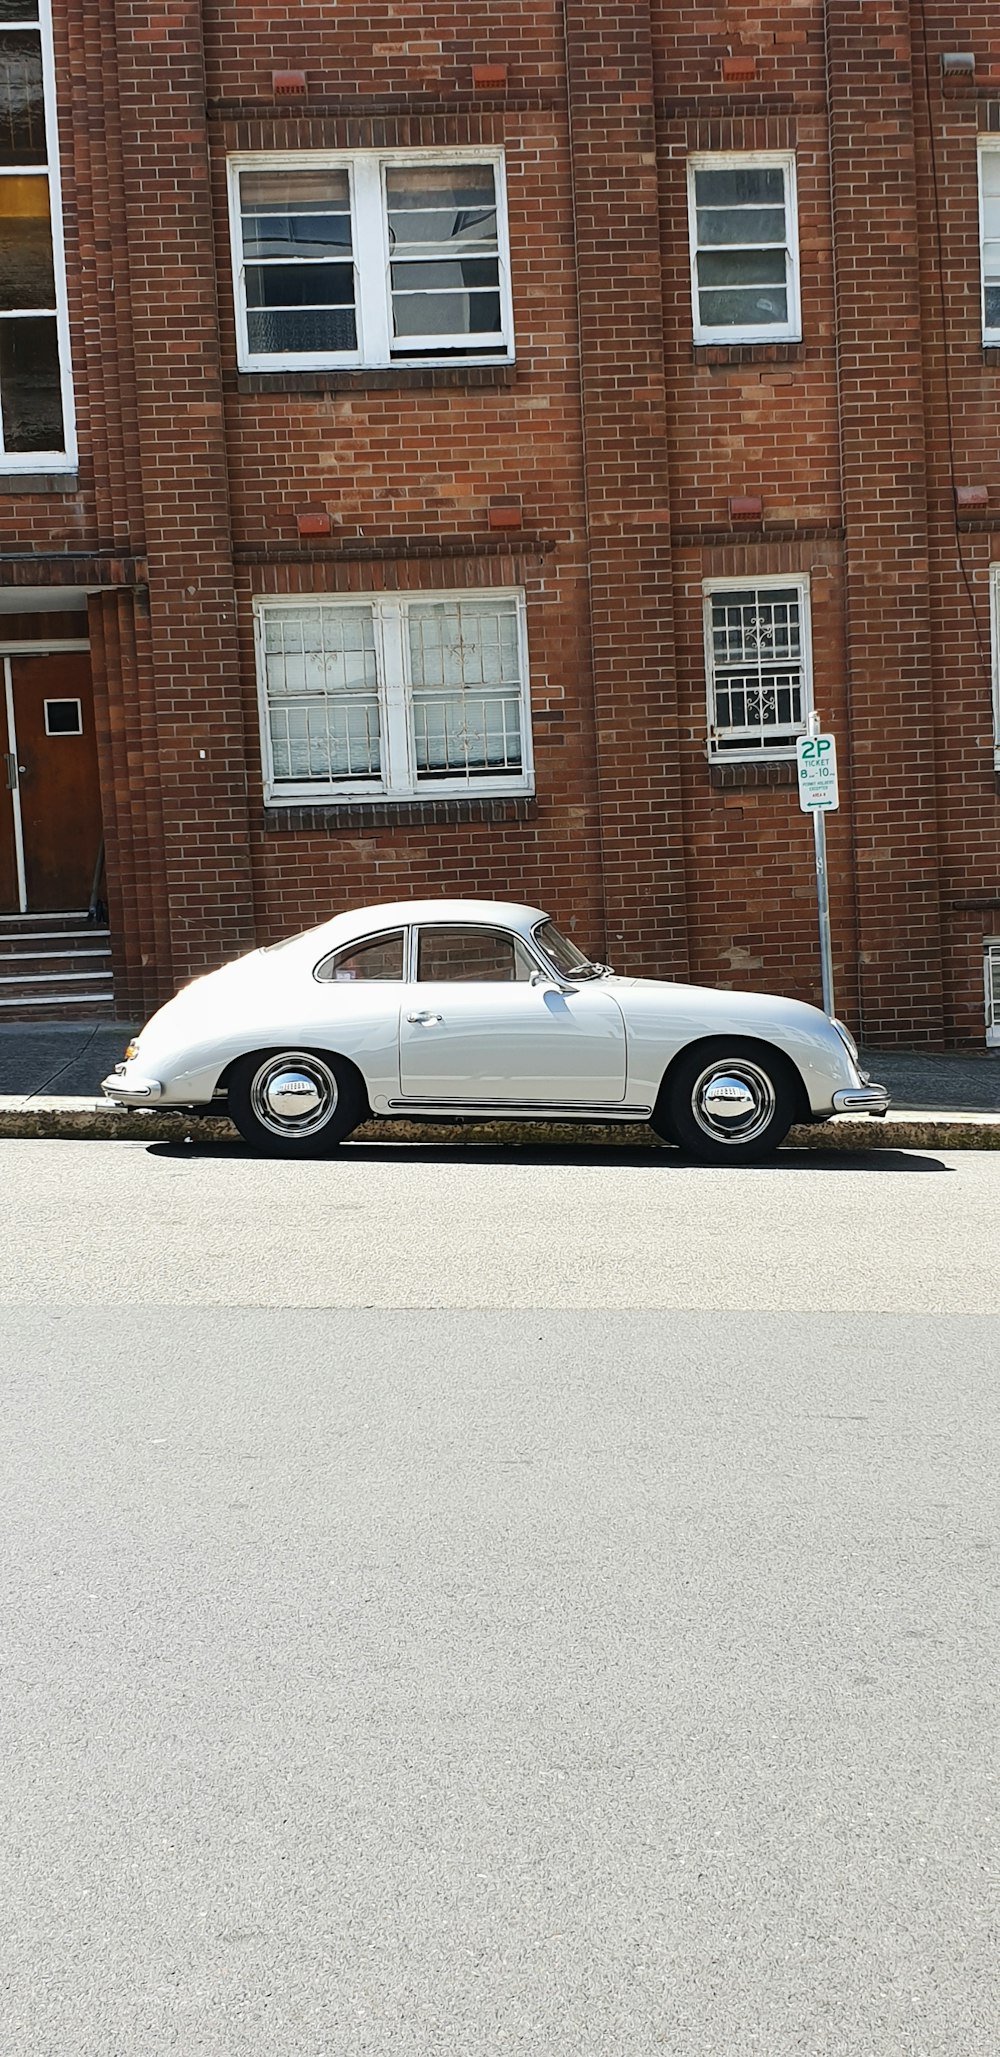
66, 1118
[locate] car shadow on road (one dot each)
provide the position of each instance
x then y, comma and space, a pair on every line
659, 1159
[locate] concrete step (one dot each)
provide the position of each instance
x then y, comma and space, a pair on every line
54, 967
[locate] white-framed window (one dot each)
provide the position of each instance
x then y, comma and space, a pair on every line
989, 235
758, 666
995, 648
399, 696
743, 227
991, 974
370, 258
37, 428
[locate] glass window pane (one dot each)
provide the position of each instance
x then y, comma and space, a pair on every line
18, 10
296, 235
741, 225
993, 307
742, 310
295, 192
30, 395
741, 267
22, 106
466, 955
740, 185
382, 958
413, 188
311, 333
446, 314
991, 219
444, 274
26, 274
300, 285
991, 171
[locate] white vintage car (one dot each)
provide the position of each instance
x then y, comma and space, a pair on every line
468, 1009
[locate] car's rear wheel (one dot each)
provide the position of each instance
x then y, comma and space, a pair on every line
728, 1102
294, 1103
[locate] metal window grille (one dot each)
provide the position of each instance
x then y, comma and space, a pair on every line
989, 180
742, 249
466, 680
757, 670
395, 695
322, 694
991, 969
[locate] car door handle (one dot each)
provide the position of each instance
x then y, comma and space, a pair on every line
423, 1020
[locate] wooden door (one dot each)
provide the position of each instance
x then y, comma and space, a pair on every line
57, 779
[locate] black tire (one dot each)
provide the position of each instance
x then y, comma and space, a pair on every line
728, 1102
323, 1102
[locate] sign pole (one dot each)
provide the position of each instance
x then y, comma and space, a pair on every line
823, 904
818, 795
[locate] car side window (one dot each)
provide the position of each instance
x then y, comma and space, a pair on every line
471, 954
380, 958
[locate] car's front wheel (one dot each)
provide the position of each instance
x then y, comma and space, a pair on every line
294, 1103
727, 1102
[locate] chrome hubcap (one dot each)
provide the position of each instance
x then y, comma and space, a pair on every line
733, 1101
294, 1094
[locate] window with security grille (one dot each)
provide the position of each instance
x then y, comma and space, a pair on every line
989, 225
36, 403
757, 663
744, 248
369, 259
991, 968
394, 696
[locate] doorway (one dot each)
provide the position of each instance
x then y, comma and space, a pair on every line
50, 800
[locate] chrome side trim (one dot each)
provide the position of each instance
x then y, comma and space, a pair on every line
518, 1110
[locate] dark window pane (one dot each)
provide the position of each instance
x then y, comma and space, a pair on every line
18, 10
444, 274
379, 959
22, 108
741, 225
740, 185
26, 274
741, 267
296, 235
312, 330
993, 307
446, 314
300, 285
751, 309
63, 718
464, 955
30, 398
444, 227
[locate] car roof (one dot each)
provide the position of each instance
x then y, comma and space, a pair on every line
384, 914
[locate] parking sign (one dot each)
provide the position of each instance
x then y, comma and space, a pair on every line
817, 761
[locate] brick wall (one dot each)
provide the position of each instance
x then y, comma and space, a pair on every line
624, 443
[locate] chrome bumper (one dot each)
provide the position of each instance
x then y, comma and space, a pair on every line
135, 1092
870, 1099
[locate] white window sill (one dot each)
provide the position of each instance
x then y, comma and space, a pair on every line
373, 796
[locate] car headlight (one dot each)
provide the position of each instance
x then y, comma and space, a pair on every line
846, 1038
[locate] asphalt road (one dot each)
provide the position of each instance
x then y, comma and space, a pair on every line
467, 1604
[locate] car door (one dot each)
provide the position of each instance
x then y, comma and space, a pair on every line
474, 1030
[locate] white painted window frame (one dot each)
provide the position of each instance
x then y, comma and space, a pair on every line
64, 459
370, 237
986, 145
991, 957
399, 774
775, 581
789, 331
995, 653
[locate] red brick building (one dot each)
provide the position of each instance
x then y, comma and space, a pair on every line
451, 448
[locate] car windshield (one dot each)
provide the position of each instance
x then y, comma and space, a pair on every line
562, 953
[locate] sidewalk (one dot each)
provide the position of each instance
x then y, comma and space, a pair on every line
50, 1078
